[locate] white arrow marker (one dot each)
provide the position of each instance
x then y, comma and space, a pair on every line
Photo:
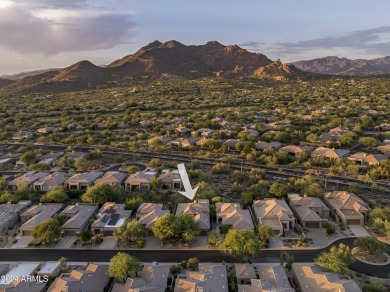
189, 191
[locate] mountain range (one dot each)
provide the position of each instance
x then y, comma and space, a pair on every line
169, 60
344, 66
174, 60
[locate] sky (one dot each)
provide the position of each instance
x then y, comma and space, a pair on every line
39, 34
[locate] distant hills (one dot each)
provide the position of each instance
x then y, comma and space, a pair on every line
157, 60
344, 66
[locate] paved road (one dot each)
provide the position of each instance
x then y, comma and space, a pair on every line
95, 255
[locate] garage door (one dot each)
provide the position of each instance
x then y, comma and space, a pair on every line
312, 224
355, 222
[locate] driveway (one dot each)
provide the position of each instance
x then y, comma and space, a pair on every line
66, 242
275, 242
358, 230
109, 242
23, 242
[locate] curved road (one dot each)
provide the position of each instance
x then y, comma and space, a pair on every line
169, 255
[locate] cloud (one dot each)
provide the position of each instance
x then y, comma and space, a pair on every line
372, 41
252, 44
55, 3
53, 31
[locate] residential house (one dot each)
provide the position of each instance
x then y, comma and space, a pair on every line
230, 144
348, 207
50, 158
202, 132
114, 178
334, 135
249, 132
27, 179
11, 280
48, 130
36, 215
310, 211
170, 179
94, 278
280, 124
182, 130
203, 141
244, 273
209, 277
77, 218
184, 142
261, 145
382, 127
80, 181
272, 278
199, 211
232, 215
140, 181
163, 139
22, 135
10, 214
293, 150
152, 278
148, 213
368, 159
110, 216
311, 277
385, 149
74, 155
330, 153
50, 269
275, 214
75, 127
51, 180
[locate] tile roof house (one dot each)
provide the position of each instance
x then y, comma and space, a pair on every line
272, 278
385, 149
22, 135
10, 214
202, 132
230, 144
112, 178
47, 130
231, 214
294, 150
152, 278
27, 179
199, 210
36, 215
311, 277
80, 181
249, 132
140, 181
368, 159
110, 216
244, 273
261, 145
148, 213
349, 208
50, 158
310, 211
77, 218
159, 139
275, 214
74, 155
330, 153
92, 279
170, 179
184, 142
209, 277
51, 180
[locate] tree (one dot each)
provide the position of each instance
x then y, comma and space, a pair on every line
86, 235
221, 168
28, 157
330, 229
101, 193
122, 264
83, 164
155, 162
133, 169
241, 244
369, 141
289, 260
3, 183
312, 138
186, 228
134, 202
155, 182
66, 162
130, 231
193, 264
265, 233
279, 190
56, 195
47, 231
337, 259
164, 228
213, 238
371, 245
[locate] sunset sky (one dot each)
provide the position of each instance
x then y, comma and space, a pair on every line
36, 34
